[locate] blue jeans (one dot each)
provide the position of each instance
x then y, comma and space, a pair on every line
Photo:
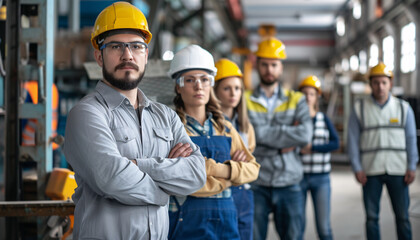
286, 205
244, 202
319, 187
400, 200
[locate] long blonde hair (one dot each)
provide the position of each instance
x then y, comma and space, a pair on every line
241, 109
213, 106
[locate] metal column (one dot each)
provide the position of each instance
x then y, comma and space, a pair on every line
11, 169
43, 35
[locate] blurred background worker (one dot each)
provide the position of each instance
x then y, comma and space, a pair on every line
282, 122
209, 213
383, 150
129, 153
316, 159
229, 89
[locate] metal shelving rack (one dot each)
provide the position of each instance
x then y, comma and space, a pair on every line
40, 32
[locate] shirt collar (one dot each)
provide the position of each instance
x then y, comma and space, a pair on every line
275, 93
113, 98
381, 105
197, 126
278, 92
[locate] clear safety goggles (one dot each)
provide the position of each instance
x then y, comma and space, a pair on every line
205, 80
118, 48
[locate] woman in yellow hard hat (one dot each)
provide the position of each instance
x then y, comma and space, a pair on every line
316, 159
229, 89
209, 213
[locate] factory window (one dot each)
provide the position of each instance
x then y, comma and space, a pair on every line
345, 64
373, 55
363, 61
341, 27
408, 48
337, 67
357, 9
388, 50
354, 63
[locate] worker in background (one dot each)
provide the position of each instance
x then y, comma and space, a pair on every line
129, 154
282, 123
316, 159
229, 89
383, 151
209, 213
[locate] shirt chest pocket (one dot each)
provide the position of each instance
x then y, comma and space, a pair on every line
126, 142
163, 138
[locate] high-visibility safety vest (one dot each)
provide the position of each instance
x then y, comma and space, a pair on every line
28, 132
382, 139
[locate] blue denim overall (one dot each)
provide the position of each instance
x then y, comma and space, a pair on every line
243, 197
211, 217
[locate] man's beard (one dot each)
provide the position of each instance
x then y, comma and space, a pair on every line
267, 82
123, 83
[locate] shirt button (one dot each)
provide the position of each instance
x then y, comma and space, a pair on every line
181, 219
127, 102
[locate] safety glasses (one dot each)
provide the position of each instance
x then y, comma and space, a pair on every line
118, 48
205, 80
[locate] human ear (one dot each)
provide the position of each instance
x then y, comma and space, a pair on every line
98, 57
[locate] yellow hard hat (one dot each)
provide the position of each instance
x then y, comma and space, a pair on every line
311, 81
380, 70
120, 15
271, 48
227, 68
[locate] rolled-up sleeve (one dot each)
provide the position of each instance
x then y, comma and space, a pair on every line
242, 172
91, 150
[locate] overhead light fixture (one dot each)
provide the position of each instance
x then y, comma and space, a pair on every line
319, 19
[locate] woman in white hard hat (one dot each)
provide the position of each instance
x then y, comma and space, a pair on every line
316, 159
209, 213
229, 90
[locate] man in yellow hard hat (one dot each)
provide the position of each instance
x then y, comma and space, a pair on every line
382, 147
129, 153
282, 122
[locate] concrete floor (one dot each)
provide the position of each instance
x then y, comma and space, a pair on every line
347, 212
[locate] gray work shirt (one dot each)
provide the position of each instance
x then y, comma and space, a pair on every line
115, 199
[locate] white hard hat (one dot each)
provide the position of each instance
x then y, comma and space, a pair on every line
192, 57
